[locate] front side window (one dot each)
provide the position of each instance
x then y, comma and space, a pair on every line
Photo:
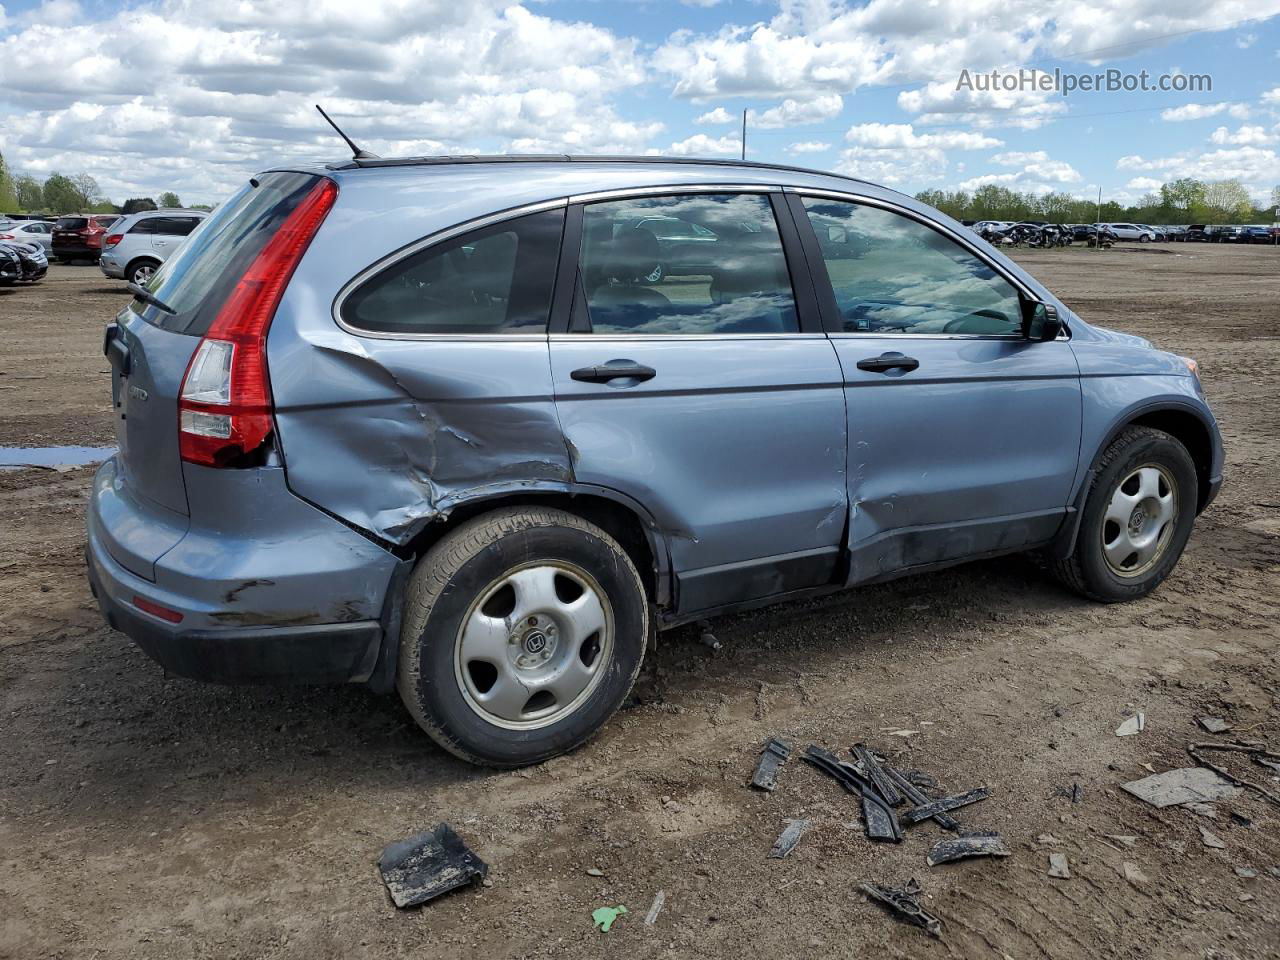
708, 263
892, 274
498, 279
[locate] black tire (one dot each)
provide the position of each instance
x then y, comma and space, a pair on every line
1087, 571
440, 595
132, 269
1143, 238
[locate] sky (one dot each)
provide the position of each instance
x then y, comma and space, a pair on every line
194, 96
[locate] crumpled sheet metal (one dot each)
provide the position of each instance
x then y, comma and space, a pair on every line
389, 443
427, 865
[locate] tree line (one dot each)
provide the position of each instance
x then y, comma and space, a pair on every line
78, 193
1181, 201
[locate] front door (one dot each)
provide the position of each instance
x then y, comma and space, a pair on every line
703, 388
963, 435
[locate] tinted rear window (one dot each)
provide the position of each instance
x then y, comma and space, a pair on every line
197, 279
71, 223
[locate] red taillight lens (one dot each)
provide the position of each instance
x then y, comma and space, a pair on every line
224, 411
112, 239
6, 236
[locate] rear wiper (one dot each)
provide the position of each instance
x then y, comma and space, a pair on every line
146, 296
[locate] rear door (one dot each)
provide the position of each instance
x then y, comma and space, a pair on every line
168, 232
963, 435
710, 397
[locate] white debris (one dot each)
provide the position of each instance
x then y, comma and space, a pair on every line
1135, 724
1058, 866
1184, 785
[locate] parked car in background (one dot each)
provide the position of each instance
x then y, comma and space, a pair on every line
1228, 234
1198, 233
1176, 232
137, 244
1255, 235
10, 266
1131, 231
1157, 233
475, 454
32, 262
28, 231
79, 237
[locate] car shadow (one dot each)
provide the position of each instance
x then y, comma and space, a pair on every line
136, 736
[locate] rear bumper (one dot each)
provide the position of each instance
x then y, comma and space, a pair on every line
290, 597
77, 250
314, 653
111, 266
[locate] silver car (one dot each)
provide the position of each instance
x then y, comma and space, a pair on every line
484, 453
137, 244
38, 232
1132, 231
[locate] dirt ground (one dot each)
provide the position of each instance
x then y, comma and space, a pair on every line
149, 817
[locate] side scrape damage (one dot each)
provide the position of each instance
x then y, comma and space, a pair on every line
404, 431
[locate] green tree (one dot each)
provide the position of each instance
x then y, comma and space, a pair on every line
1181, 196
1227, 201
60, 195
136, 204
8, 193
169, 199
86, 189
30, 195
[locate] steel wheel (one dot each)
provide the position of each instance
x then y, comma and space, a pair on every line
1139, 521
142, 273
534, 645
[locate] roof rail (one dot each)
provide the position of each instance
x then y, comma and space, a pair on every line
577, 158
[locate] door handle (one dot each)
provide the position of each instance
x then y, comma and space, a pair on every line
888, 361
614, 370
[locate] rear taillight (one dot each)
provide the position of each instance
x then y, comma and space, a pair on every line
224, 410
6, 236
112, 239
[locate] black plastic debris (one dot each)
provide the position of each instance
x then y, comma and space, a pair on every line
904, 902
1074, 793
878, 817
967, 845
911, 788
871, 769
790, 836
928, 810
772, 757
432, 863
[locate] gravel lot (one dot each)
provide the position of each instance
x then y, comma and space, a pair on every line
149, 817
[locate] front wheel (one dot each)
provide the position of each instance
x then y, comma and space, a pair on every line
1137, 518
523, 632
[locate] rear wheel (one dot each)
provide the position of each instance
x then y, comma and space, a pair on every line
141, 271
1137, 518
523, 632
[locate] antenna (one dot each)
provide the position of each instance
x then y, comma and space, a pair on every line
356, 152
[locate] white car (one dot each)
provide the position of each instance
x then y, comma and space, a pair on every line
137, 244
1132, 231
38, 232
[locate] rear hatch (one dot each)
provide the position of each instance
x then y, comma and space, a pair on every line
150, 347
70, 230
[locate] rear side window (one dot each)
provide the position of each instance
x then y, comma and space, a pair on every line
173, 226
498, 279
707, 263
71, 223
145, 225
197, 280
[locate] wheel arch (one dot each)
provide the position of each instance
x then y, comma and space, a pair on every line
141, 258
1182, 421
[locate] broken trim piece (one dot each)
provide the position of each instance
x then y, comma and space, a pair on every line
772, 757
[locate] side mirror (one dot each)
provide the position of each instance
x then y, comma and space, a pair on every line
1041, 322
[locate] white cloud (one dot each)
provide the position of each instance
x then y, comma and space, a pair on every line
1272, 96
1246, 40
1256, 167
193, 95
716, 117
895, 166
882, 136
792, 113
1243, 136
1198, 111
1144, 184
701, 145
809, 146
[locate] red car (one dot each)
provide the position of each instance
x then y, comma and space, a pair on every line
79, 236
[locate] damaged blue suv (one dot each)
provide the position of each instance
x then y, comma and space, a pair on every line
548, 406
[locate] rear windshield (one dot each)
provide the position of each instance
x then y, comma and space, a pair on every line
71, 223
198, 278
